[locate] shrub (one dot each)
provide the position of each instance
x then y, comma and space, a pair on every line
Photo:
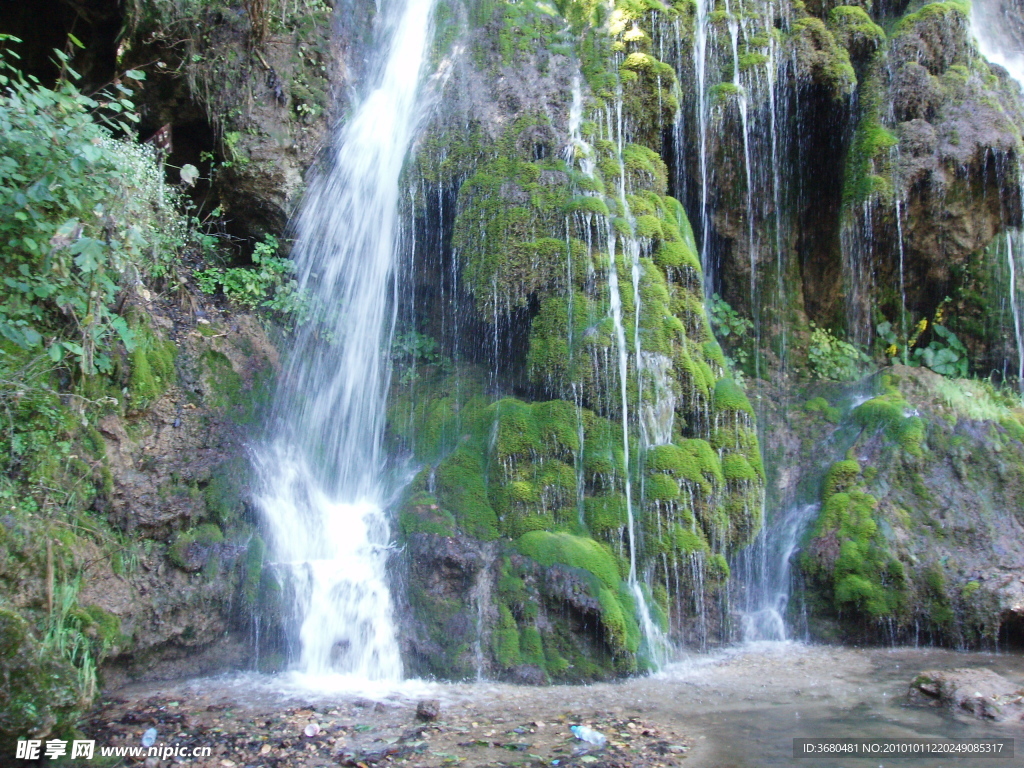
834, 359
83, 215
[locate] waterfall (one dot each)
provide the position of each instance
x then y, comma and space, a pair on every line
1001, 41
321, 490
769, 570
700, 52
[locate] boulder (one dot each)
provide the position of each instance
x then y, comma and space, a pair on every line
980, 693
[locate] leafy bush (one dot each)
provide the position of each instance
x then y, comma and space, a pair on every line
834, 359
82, 216
945, 355
269, 284
730, 328
412, 349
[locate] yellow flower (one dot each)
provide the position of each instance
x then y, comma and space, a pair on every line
891, 350
923, 325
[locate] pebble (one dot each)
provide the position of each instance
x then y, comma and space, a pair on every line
291, 736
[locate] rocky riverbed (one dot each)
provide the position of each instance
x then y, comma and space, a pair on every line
734, 709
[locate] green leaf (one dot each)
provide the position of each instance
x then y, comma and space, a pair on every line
135, 74
189, 173
78, 43
89, 253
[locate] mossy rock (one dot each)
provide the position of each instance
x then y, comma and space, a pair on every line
548, 548
152, 368
195, 549
422, 514
729, 397
252, 574
40, 693
841, 476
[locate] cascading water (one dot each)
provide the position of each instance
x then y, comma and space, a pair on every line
579, 151
768, 582
999, 37
1001, 41
322, 491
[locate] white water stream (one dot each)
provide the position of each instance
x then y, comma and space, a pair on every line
320, 471
1001, 40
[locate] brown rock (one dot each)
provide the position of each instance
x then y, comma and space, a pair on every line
428, 710
980, 693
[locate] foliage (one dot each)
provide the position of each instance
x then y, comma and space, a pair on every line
726, 320
82, 216
945, 355
834, 359
412, 348
730, 327
269, 284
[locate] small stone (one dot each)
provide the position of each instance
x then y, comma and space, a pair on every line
428, 710
312, 729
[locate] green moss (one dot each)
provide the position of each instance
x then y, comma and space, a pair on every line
152, 368
821, 406
661, 487
506, 639
841, 476
181, 552
752, 60
911, 435
717, 569
959, 9
729, 397
41, 691
864, 577
854, 29
531, 647
969, 589
587, 204
886, 412
225, 386
722, 92
223, 494
677, 255
819, 52
868, 170
605, 513
255, 554
736, 468
549, 548
687, 541
462, 491
692, 459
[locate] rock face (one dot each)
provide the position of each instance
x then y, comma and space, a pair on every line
979, 693
920, 482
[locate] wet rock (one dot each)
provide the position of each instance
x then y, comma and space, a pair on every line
980, 693
529, 674
428, 710
915, 93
